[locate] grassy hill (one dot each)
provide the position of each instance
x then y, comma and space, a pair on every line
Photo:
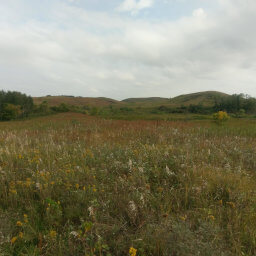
76, 101
205, 98
149, 100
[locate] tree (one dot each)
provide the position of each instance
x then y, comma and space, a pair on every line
9, 112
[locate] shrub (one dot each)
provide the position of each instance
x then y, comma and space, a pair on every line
220, 117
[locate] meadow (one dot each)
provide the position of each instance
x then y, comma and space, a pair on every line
72, 184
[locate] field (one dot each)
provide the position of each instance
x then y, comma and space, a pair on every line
73, 184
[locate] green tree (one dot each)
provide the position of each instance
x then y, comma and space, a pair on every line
10, 111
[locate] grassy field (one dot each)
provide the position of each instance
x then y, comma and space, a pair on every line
72, 184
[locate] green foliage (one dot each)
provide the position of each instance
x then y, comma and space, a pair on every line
14, 105
9, 112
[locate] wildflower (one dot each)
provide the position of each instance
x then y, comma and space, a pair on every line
25, 218
221, 202
231, 204
83, 187
13, 240
74, 233
132, 209
141, 170
13, 191
77, 186
53, 234
52, 182
28, 182
21, 235
38, 186
130, 163
132, 251
211, 217
91, 211
19, 223
160, 189
183, 218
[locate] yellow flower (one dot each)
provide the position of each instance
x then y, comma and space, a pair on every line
83, 187
77, 186
25, 218
231, 204
13, 240
53, 234
28, 182
19, 223
160, 189
221, 202
132, 251
21, 235
211, 217
183, 218
13, 191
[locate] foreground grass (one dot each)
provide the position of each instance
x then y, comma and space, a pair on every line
77, 185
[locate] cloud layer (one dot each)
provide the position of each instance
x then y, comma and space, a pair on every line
134, 6
66, 48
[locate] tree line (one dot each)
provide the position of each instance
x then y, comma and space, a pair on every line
237, 104
15, 105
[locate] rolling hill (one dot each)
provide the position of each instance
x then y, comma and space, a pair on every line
206, 98
76, 101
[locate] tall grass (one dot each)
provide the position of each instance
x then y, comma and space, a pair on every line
77, 185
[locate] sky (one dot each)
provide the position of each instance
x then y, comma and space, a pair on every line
127, 48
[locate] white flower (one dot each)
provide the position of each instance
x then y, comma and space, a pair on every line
130, 163
38, 185
74, 233
91, 211
141, 169
132, 208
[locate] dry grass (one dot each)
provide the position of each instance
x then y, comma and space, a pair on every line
77, 185
76, 101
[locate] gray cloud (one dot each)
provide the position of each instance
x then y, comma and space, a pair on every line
90, 53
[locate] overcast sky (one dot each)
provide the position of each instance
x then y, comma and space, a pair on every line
127, 48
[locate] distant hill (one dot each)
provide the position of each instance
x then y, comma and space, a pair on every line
76, 101
150, 100
144, 100
204, 98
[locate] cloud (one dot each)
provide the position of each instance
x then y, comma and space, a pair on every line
200, 13
134, 6
89, 53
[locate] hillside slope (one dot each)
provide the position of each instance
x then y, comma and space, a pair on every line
76, 101
204, 98
146, 100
